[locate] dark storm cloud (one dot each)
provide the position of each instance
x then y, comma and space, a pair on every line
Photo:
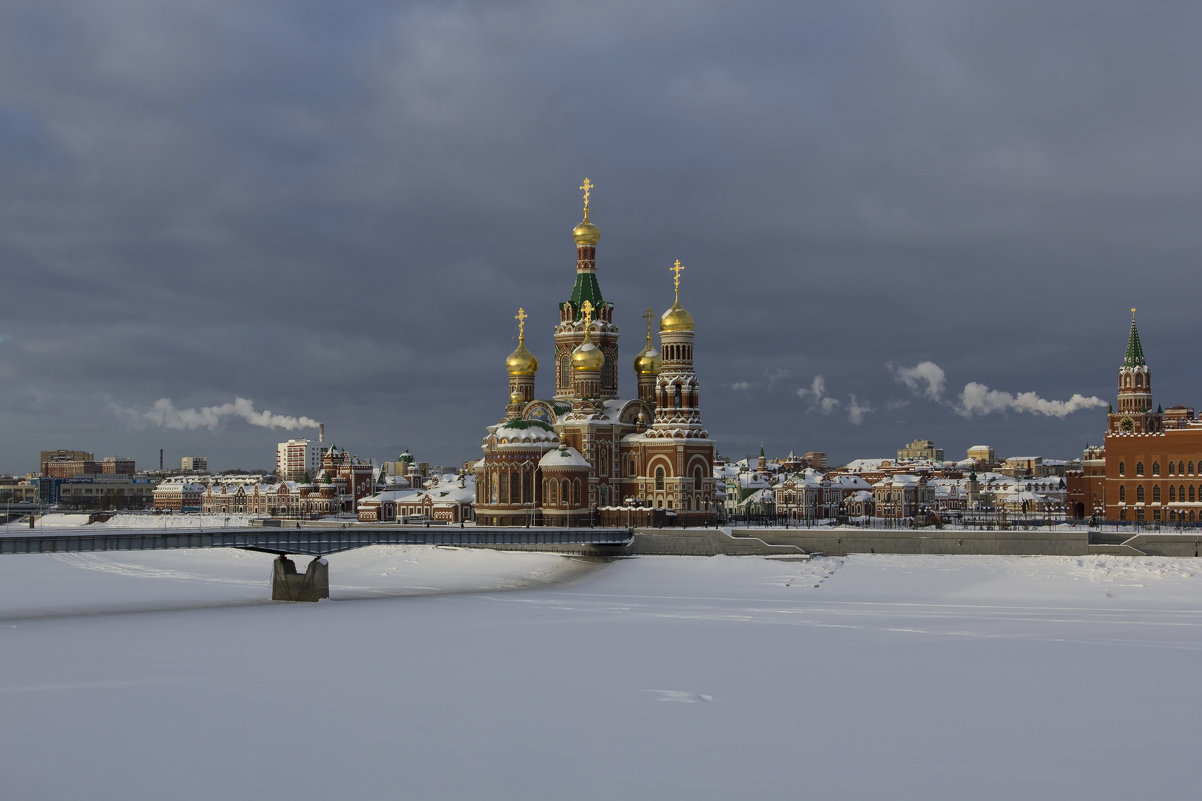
335, 211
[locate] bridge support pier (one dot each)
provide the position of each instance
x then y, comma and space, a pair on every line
288, 585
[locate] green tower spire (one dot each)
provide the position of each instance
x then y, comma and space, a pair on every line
1135, 351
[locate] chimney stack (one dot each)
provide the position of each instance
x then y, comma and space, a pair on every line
321, 432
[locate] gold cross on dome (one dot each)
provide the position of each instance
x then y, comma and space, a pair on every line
676, 268
587, 186
649, 315
586, 309
521, 318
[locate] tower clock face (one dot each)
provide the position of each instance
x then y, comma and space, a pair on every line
1127, 424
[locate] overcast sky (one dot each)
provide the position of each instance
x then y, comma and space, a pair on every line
898, 220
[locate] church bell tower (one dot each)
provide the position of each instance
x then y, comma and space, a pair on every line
570, 333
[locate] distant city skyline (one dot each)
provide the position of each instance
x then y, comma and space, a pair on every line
899, 221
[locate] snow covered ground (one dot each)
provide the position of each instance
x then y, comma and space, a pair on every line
460, 674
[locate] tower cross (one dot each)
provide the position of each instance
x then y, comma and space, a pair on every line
521, 318
587, 186
675, 269
649, 315
586, 308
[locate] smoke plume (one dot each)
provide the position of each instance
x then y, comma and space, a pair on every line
164, 414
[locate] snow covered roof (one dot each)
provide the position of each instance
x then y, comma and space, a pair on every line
563, 458
860, 465
845, 481
898, 478
523, 432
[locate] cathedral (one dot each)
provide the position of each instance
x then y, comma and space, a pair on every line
586, 455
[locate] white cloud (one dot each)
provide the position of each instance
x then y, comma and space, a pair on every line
927, 379
857, 410
772, 376
924, 378
741, 386
978, 399
816, 394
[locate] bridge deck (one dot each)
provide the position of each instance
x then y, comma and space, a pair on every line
309, 541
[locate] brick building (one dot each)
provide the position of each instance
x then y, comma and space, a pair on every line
1150, 468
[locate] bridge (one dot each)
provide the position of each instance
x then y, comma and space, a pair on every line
316, 541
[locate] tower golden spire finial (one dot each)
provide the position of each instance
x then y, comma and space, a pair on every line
676, 268
521, 318
587, 186
1133, 314
649, 315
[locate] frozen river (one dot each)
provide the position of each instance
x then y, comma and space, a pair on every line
472, 674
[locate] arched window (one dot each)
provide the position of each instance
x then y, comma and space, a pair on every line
659, 478
1181, 492
1155, 468
697, 478
1139, 493
1122, 494
1191, 492
504, 486
1156, 494
552, 486
1181, 468
1122, 469
566, 495
1172, 469
1172, 493
676, 397
1190, 468
1139, 468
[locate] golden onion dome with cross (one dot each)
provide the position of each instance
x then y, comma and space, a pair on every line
586, 233
676, 318
587, 356
648, 362
521, 361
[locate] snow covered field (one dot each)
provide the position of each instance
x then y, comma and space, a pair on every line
440, 674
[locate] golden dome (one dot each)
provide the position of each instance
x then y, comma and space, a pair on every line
586, 233
521, 361
588, 357
516, 396
676, 319
648, 362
